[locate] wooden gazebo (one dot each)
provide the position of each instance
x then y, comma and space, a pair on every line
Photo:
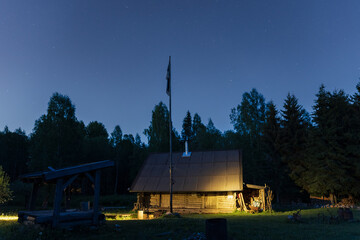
63, 178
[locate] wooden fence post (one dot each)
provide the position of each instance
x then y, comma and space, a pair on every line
33, 196
57, 202
96, 197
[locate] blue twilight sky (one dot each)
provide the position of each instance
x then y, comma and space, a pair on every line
110, 57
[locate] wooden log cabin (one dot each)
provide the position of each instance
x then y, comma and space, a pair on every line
203, 182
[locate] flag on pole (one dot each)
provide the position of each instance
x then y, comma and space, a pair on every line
168, 78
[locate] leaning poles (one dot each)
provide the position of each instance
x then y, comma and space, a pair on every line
168, 92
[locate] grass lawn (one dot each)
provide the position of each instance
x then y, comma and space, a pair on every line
240, 226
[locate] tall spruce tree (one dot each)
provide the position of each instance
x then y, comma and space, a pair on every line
198, 130
115, 140
187, 131
295, 123
275, 172
333, 155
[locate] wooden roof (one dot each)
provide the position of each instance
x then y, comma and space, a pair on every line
210, 171
47, 176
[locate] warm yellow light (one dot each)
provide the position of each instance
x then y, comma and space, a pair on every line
230, 196
140, 214
118, 217
8, 218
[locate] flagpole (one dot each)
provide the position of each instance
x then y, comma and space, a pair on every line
168, 92
170, 130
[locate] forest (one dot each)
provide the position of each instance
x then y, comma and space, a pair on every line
295, 152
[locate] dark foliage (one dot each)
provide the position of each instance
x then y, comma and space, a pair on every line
14, 152
288, 149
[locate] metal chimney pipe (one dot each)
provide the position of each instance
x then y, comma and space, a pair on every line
186, 153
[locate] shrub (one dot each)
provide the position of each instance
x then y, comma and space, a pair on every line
5, 192
20, 192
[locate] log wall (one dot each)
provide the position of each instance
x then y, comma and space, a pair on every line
194, 201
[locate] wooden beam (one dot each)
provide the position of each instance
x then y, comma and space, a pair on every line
69, 181
96, 197
59, 173
252, 186
33, 196
57, 202
90, 177
65, 217
243, 202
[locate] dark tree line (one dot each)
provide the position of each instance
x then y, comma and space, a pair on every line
294, 152
59, 140
289, 149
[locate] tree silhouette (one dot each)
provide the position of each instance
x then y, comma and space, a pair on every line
158, 131
57, 136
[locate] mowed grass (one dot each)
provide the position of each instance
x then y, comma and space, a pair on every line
240, 226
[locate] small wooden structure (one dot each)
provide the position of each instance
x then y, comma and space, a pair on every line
204, 182
63, 178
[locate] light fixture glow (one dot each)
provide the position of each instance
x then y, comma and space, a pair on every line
8, 218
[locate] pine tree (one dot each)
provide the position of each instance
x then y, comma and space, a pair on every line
294, 132
187, 131
293, 142
198, 130
334, 153
275, 172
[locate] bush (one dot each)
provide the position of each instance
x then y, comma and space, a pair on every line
21, 193
5, 192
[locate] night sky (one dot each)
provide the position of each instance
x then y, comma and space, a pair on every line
110, 57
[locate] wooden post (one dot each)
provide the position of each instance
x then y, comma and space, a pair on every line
202, 200
160, 200
243, 202
263, 199
96, 197
33, 196
57, 202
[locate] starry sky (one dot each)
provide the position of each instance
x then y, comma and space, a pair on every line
110, 57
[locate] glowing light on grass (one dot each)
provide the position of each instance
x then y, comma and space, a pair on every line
8, 218
119, 217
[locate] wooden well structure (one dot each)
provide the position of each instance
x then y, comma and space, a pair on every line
63, 178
